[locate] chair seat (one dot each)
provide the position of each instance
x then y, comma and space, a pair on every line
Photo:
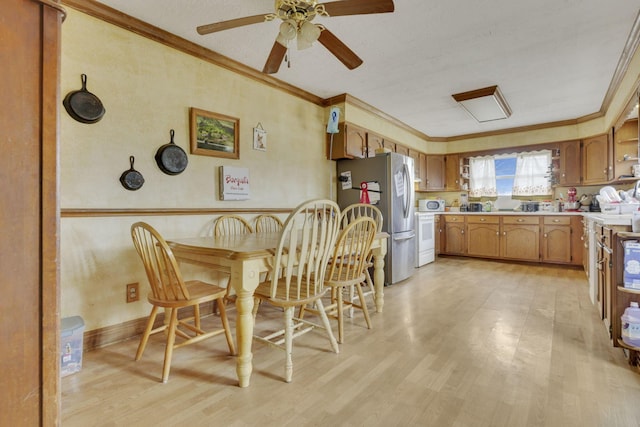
344, 281
263, 291
199, 292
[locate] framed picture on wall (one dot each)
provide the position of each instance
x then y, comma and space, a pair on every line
214, 134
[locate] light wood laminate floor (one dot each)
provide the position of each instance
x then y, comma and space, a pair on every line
464, 342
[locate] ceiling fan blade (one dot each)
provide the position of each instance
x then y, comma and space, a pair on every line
233, 23
275, 58
358, 7
339, 49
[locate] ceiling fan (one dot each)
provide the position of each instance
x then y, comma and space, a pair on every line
296, 16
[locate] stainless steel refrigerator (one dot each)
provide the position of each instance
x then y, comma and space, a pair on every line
389, 179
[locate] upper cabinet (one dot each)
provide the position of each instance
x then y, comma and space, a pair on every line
570, 165
452, 172
401, 149
349, 143
625, 141
422, 172
374, 142
597, 167
435, 172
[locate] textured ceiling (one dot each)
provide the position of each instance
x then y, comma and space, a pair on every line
552, 59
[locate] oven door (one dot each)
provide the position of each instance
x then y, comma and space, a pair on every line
425, 238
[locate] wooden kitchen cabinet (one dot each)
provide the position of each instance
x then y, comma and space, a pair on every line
625, 147
422, 174
570, 163
401, 149
622, 297
452, 172
349, 143
454, 235
374, 142
483, 236
435, 172
415, 155
596, 160
556, 239
438, 231
520, 237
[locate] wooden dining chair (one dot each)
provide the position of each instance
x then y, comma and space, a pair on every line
231, 224
267, 223
299, 268
171, 292
349, 214
347, 271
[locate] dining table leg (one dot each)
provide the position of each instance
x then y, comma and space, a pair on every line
378, 273
245, 276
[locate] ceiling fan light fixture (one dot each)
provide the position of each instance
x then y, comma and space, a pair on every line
288, 30
484, 105
308, 34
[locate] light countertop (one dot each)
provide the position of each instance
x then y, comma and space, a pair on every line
602, 218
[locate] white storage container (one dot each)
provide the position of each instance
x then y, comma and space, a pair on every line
626, 208
72, 331
610, 208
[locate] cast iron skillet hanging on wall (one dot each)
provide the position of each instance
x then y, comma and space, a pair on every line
82, 105
131, 179
171, 159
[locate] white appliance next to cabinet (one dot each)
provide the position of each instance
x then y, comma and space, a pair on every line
425, 238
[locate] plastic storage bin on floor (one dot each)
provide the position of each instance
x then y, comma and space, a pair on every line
72, 329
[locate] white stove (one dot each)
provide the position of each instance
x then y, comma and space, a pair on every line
425, 238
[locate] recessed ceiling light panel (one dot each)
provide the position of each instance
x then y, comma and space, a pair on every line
484, 105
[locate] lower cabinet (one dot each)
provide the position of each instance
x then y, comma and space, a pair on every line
556, 239
454, 235
533, 238
438, 223
520, 238
483, 236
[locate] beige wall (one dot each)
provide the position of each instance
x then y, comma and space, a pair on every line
147, 89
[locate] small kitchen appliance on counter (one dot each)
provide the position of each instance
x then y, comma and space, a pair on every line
431, 205
530, 206
572, 204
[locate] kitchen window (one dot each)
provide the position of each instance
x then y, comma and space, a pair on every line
505, 176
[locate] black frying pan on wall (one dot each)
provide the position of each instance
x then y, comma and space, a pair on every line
171, 159
82, 105
131, 179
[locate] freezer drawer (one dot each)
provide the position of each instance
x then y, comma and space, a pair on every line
401, 259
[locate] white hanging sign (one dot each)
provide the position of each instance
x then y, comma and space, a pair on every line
234, 183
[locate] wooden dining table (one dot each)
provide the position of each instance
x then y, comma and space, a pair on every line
245, 257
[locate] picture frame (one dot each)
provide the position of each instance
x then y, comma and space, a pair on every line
259, 138
213, 134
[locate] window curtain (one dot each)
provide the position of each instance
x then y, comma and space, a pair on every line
482, 177
532, 171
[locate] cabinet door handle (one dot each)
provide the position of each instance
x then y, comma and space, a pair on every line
544, 235
504, 233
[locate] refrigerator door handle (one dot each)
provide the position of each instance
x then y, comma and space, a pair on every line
405, 237
407, 190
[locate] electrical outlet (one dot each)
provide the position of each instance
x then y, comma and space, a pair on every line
133, 292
